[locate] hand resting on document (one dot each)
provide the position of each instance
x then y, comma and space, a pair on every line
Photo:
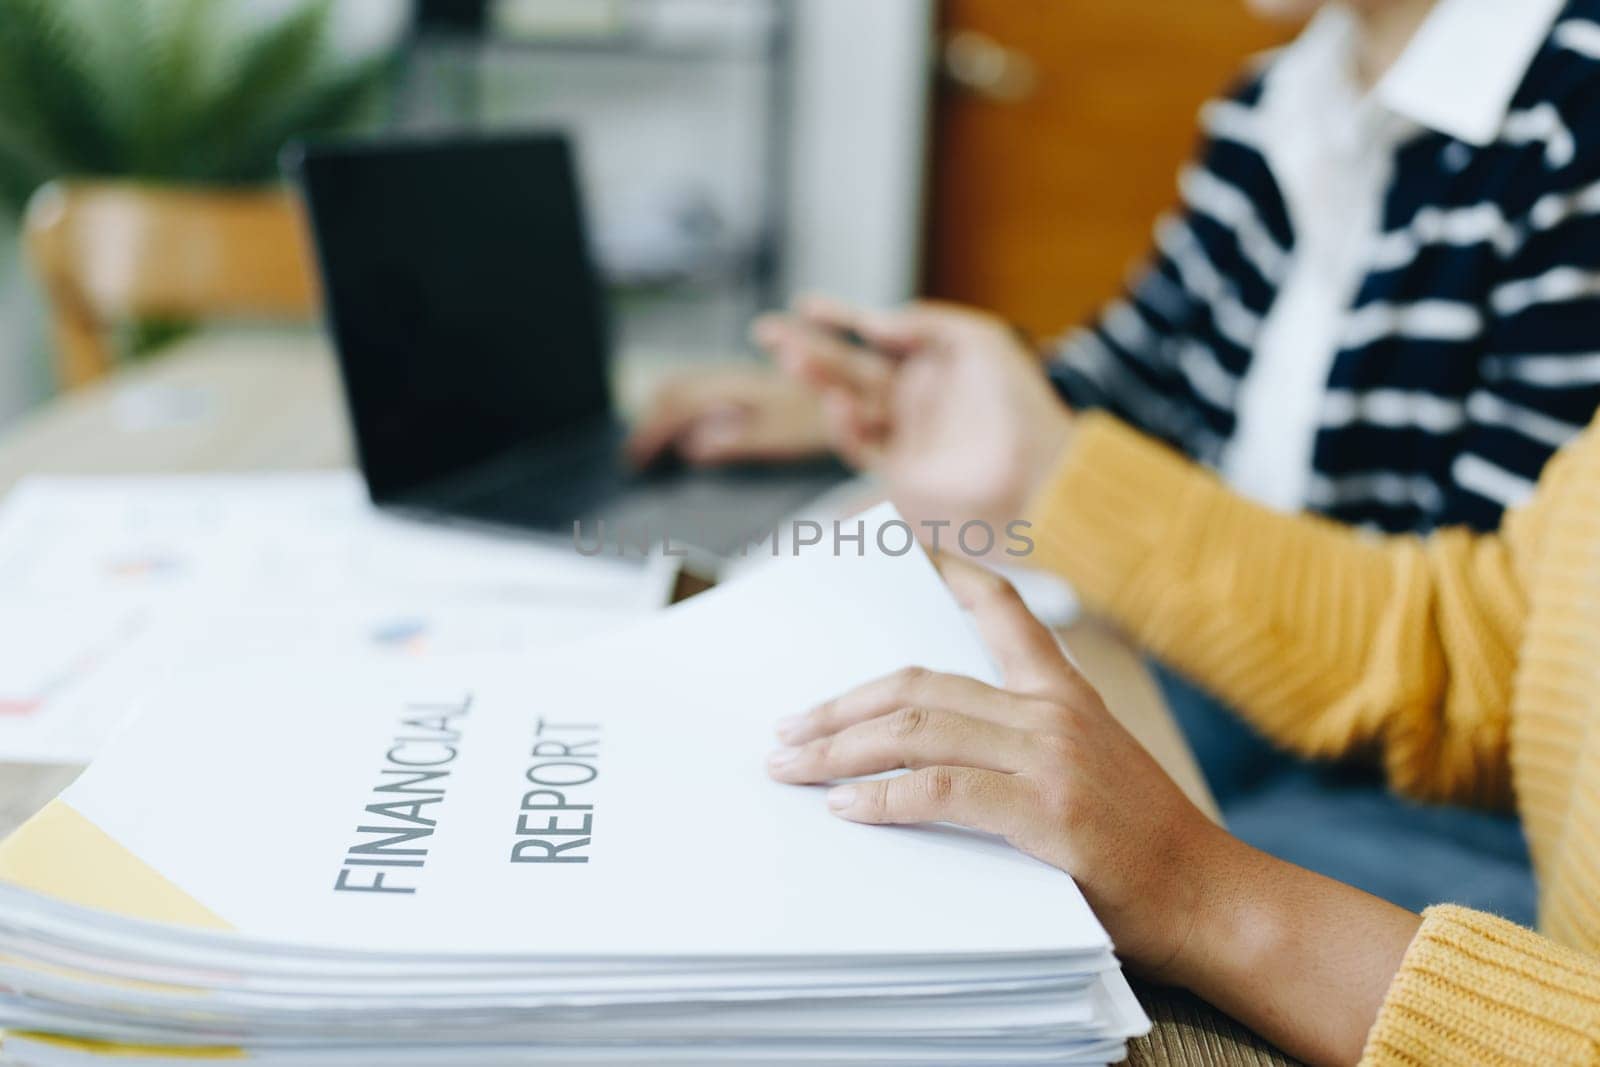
1041, 762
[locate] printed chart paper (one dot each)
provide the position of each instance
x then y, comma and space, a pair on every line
110, 585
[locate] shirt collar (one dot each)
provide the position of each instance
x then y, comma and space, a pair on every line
1460, 72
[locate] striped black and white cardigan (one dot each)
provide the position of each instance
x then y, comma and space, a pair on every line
1472, 348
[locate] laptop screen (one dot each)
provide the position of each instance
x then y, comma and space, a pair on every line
462, 298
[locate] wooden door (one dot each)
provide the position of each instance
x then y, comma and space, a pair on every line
1060, 145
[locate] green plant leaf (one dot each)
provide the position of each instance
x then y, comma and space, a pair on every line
123, 45
21, 172
332, 103
260, 76
171, 85
49, 92
165, 90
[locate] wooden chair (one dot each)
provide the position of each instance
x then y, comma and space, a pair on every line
110, 252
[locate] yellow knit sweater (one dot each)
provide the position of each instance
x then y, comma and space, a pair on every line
1470, 665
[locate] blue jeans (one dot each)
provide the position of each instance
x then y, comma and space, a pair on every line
1342, 821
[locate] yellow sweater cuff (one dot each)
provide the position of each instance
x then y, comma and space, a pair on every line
1476, 989
1115, 497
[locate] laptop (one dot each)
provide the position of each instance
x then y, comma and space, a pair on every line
471, 330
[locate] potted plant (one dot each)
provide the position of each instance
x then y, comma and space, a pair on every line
185, 91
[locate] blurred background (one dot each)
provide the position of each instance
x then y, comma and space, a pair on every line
1011, 155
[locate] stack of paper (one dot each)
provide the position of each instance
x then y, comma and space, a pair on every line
568, 858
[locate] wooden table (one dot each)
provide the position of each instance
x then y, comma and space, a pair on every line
270, 402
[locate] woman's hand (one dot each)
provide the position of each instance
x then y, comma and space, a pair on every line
945, 405
730, 416
1302, 959
1040, 762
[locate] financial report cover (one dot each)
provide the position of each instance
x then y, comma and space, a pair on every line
603, 799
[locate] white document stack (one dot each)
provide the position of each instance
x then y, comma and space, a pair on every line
575, 858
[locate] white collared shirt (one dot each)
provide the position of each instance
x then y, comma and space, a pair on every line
1331, 150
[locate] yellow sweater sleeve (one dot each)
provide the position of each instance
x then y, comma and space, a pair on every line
1331, 641
1478, 990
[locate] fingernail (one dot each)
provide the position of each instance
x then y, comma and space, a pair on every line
841, 797
782, 757
788, 727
